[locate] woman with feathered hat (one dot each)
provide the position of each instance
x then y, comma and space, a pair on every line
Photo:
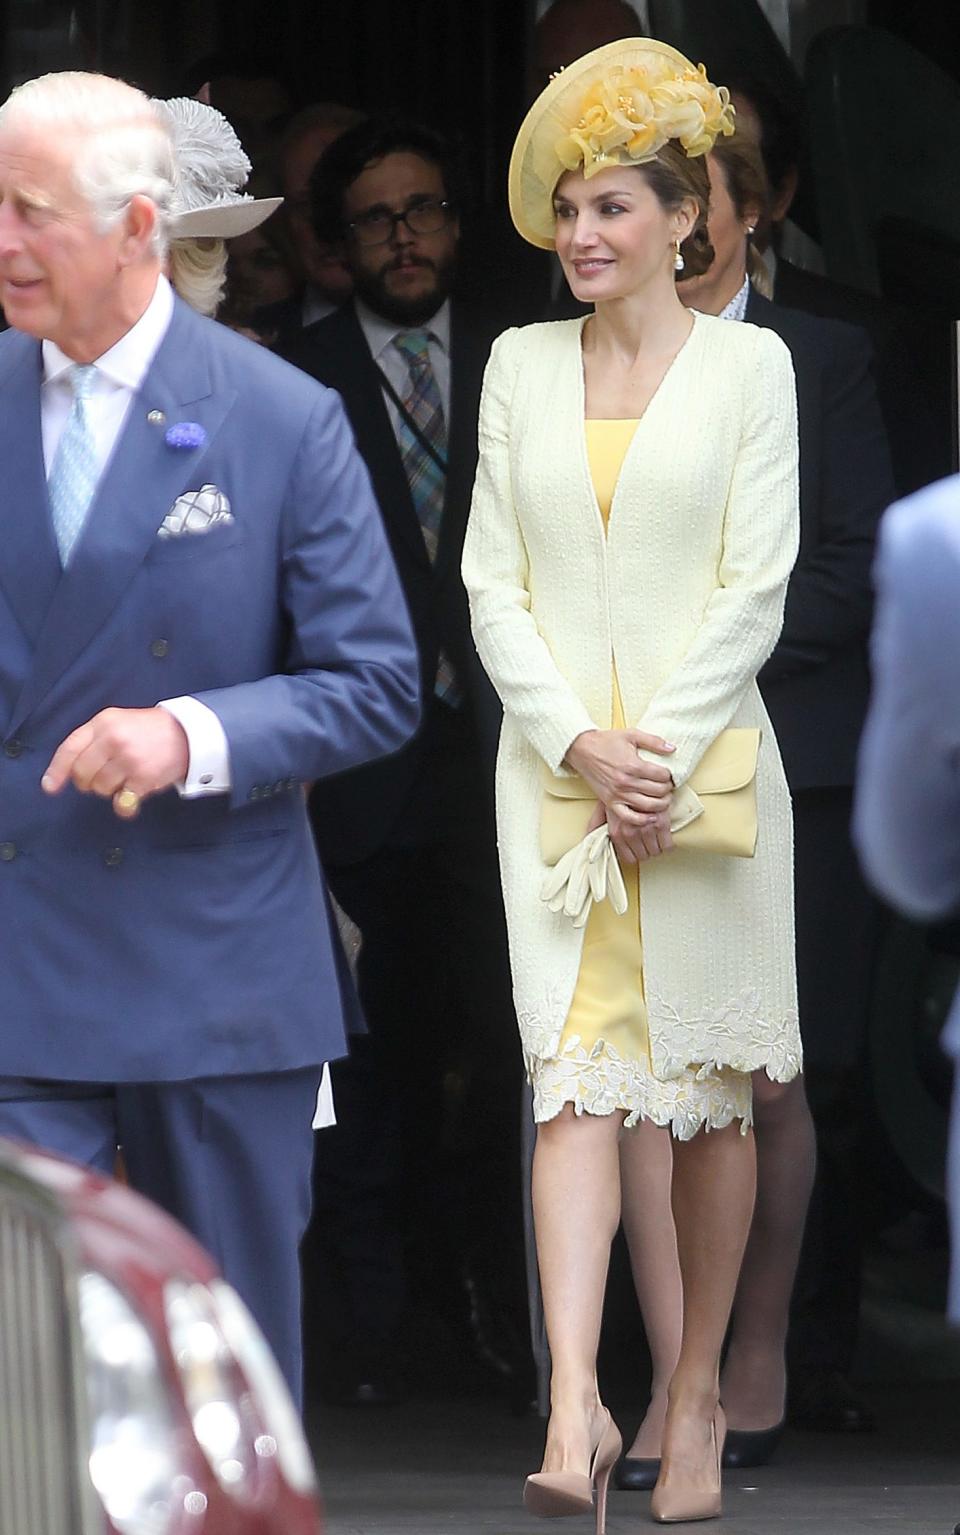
210, 206
633, 527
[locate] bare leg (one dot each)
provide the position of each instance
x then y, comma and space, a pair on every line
714, 1182
646, 1169
576, 1210
754, 1373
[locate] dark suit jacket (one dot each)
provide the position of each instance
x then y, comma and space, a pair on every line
356, 814
816, 683
912, 384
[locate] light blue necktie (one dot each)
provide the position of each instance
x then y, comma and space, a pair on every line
73, 478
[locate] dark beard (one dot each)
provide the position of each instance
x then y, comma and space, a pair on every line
406, 311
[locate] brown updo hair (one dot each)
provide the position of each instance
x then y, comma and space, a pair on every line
741, 165
674, 176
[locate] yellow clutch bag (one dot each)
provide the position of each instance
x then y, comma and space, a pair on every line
724, 781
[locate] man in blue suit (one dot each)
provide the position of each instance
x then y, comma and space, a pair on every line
907, 809
198, 614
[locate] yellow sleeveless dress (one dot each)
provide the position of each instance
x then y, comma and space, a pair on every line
603, 1061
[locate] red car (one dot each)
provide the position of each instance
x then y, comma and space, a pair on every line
137, 1395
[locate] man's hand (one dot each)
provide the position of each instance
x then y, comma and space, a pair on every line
141, 750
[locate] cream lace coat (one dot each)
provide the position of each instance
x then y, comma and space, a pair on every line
685, 595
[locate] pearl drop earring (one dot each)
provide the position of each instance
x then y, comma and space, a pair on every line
678, 261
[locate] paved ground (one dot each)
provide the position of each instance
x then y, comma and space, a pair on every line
443, 1464
444, 1467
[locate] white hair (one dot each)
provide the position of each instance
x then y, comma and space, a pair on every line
123, 148
198, 271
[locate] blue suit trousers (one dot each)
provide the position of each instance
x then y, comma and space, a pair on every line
208, 1152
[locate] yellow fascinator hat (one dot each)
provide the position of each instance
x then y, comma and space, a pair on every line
618, 105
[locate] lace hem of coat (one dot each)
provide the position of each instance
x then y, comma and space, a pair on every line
737, 1035
603, 1081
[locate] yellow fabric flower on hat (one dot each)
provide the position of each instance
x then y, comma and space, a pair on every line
627, 117
694, 111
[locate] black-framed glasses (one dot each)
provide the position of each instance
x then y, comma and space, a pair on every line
379, 225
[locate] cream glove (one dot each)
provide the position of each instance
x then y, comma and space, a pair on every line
589, 872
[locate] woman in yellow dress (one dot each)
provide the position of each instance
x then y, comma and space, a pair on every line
633, 527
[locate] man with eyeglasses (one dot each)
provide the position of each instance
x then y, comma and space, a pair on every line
426, 1152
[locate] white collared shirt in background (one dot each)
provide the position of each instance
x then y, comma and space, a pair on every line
736, 309
380, 334
117, 379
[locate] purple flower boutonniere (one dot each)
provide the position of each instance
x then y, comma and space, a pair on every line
185, 435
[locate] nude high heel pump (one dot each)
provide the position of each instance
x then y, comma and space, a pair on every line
552, 1494
681, 1505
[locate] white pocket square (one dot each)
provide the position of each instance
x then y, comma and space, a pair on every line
196, 512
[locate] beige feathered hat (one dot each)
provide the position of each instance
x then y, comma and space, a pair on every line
211, 170
618, 105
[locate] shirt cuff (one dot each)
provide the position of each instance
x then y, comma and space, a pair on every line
208, 770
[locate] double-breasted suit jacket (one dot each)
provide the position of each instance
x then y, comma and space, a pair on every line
685, 597
192, 941
354, 816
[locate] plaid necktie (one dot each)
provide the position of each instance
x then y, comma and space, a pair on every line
425, 477
73, 477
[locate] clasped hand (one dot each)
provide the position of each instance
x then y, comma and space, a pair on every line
633, 794
143, 750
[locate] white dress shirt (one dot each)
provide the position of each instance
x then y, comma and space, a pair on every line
118, 375
736, 308
380, 334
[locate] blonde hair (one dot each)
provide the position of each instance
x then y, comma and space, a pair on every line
198, 272
123, 150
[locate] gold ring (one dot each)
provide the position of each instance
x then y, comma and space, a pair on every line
127, 801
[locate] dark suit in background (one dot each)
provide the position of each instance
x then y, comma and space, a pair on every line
429, 1109
911, 367
816, 687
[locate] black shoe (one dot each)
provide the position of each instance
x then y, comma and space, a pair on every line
373, 1387
636, 1475
366, 1375
745, 1447
825, 1402
370, 1393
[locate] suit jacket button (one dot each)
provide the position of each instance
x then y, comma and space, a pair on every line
255, 791
159, 649
13, 748
113, 857
8, 851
